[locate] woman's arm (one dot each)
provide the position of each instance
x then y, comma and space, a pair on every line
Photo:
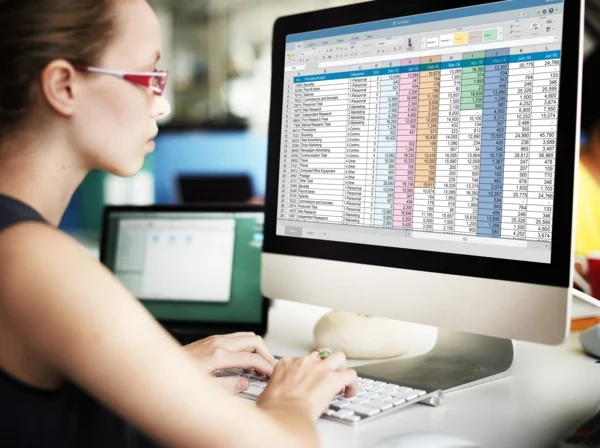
77, 316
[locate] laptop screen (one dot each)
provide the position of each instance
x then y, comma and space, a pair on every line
189, 265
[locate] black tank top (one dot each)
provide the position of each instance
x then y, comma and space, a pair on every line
67, 417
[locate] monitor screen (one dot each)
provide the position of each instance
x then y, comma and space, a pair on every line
434, 132
189, 266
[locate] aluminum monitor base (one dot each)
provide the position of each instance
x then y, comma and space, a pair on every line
457, 360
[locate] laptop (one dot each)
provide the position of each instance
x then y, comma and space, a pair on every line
196, 268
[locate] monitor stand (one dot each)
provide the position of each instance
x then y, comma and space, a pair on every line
457, 360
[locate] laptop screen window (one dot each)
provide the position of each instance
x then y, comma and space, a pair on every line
183, 259
192, 266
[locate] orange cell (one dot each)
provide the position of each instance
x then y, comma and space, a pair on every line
427, 176
426, 154
424, 184
425, 163
429, 77
431, 59
427, 142
429, 91
427, 116
427, 129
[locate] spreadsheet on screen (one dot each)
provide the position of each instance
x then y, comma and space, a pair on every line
433, 132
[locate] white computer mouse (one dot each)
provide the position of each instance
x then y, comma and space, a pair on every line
425, 440
590, 340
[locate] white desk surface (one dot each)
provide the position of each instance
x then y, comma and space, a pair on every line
549, 391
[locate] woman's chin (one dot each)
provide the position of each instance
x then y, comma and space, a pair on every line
127, 170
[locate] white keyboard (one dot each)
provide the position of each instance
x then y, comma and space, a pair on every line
373, 398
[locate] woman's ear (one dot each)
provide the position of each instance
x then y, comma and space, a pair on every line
58, 86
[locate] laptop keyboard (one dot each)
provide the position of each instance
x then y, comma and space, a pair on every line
373, 398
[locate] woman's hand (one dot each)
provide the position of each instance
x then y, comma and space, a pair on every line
233, 351
310, 382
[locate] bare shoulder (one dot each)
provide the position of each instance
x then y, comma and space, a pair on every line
32, 254
37, 266
52, 289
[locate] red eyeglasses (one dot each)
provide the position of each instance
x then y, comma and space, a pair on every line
155, 81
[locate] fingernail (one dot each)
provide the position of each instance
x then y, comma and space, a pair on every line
243, 384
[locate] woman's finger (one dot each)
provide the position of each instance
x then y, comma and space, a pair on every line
247, 343
233, 384
335, 361
239, 333
348, 379
226, 359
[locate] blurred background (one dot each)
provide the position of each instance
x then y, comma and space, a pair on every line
218, 53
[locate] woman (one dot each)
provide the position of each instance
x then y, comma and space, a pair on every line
78, 354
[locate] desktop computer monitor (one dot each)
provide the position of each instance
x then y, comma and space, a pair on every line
421, 163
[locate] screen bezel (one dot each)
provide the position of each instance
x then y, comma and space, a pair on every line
556, 273
192, 326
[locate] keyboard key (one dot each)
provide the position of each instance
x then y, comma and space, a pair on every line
258, 383
407, 395
254, 391
370, 395
376, 389
381, 405
339, 404
353, 418
363, 411
397, 401
359, 399
342, 413
329, 412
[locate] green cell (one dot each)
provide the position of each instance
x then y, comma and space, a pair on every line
473, 88
471, 103
473, 77
490, 34
473, 82
473, 55
469, 107
474, 97
471, 100
473, 73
